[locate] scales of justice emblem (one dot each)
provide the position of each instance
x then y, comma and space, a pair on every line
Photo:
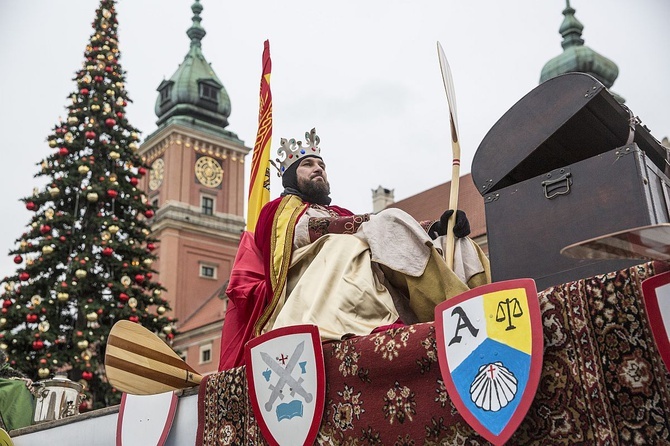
490, 345
286, 376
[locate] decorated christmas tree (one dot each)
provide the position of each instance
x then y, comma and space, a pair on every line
85, 261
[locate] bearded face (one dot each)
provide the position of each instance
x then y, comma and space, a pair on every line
313, 180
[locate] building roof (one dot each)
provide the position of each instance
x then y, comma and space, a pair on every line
431, 203
212, 310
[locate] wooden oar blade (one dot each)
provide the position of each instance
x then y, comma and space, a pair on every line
140, 363
448, 82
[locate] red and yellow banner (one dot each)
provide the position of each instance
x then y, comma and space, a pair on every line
259, 185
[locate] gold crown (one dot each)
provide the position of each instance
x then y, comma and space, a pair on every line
291, 151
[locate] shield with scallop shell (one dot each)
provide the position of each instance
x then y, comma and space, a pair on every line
490, 345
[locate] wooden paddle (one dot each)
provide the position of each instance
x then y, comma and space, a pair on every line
646, 243
456, 154
140, 363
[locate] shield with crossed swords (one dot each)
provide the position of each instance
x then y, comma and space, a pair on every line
287, 383
490, 347
656, 293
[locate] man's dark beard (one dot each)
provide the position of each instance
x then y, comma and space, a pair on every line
315, 191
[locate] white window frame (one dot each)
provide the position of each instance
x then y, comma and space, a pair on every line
215, 269
202, 204
205, 348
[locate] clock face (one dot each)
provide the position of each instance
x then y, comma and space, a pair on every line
156, 174
208, 171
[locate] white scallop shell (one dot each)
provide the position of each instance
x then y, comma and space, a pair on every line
494, 387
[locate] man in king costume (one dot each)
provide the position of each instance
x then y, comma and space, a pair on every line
310, 262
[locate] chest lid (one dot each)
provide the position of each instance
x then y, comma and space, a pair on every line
566, 119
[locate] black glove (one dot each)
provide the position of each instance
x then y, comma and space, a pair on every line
461, 227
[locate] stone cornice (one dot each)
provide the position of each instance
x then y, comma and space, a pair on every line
181, 216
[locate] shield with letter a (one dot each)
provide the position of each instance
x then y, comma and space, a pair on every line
656, 292
287, 383
490, 346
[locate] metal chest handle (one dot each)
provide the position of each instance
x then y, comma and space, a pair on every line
557, 186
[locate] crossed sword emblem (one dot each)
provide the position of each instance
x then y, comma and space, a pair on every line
285, 377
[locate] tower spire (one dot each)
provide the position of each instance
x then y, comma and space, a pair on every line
577, 57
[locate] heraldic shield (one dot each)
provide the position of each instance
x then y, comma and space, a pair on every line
656, 292
287, 383
490, 346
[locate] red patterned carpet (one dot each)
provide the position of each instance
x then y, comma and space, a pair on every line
603, 380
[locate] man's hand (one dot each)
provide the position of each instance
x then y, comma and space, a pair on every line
461, 228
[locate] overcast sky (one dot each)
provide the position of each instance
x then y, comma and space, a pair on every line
365, 73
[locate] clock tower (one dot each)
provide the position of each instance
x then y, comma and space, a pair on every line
196, 183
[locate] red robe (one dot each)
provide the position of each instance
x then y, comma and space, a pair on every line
250, 293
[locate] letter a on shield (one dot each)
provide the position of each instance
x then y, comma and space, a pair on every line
287, 383
489, 347
656, 292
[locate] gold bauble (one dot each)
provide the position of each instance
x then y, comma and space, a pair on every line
113, 229
72, 120
69, 137
126, 281
83, 169
135, 262
3, 321
113, 177
80, 273
114, 155
92, 316
161, 310
167, 329
36, 299
49, 213
44, 165
134, 135
105, 235
110, 92
132, 302
157, 292
43, 326
148, 262
54, 191
43, 372
86, 355
95, 107
82, 345
52, 143
92, 197
133, 146
3, 346
63, 297
47, 249
100, 56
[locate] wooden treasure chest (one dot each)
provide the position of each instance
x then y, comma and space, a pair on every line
564, 164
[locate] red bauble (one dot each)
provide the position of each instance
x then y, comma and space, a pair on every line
107, 251
6, 303
134, 181
110, 122
84, 91
87, 375
31, 317
24, 276
98, 79
31, 206
133, 318
90, 134
119, 115
45, 229
62, 238
139, 278
149, 213
149, 276
123, 297
63, 151
109, 69
112, 193
170, 336
18, 259
142, 171
38, 345
151, 246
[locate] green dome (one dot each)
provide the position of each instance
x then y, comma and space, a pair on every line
194, 94
576, 56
